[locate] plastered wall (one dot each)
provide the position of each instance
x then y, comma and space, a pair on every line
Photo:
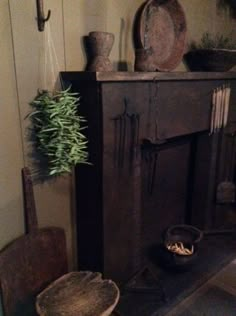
11, 155
22, 68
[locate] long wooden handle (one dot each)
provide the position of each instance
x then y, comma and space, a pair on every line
217, 110
213, 112
223, 104
220, 94
31, 221
227, 101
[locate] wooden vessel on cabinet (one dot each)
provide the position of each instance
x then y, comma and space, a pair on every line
146, 132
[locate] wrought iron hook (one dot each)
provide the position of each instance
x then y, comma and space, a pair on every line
41, 19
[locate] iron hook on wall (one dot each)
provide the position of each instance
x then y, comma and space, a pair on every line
41, 19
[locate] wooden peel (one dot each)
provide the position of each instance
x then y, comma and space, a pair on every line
32, 261
31, 221
78, 294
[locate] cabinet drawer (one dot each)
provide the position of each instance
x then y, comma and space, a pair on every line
166, 109
183, 107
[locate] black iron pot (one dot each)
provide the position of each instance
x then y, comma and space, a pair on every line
189, 236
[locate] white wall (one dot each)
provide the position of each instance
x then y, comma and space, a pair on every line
11, 154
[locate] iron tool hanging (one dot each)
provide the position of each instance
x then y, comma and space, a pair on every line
126, 128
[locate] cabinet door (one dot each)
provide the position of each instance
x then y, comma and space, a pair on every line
132, 214
121, 179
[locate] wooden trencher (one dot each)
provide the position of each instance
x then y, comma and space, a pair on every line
82, 293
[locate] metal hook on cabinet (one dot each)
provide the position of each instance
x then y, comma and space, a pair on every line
41, 19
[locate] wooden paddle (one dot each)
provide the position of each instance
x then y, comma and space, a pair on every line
31, 262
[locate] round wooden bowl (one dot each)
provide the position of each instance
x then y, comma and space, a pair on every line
210, 59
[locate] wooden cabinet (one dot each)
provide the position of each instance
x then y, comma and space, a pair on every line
151, 157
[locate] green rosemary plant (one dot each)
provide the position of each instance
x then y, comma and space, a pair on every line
58, 130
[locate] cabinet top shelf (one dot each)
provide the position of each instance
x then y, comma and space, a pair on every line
146, 76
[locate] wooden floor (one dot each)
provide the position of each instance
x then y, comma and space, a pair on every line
217, 297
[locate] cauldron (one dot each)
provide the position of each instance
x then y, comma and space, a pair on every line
187, 235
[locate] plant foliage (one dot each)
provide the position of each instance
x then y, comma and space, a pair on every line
217, 42
228, 5
58, 130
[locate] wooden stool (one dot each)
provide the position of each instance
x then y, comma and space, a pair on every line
78, 294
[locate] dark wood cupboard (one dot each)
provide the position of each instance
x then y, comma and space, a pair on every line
153, 163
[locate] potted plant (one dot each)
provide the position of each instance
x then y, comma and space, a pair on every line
213, 53
229, 5
58, 130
